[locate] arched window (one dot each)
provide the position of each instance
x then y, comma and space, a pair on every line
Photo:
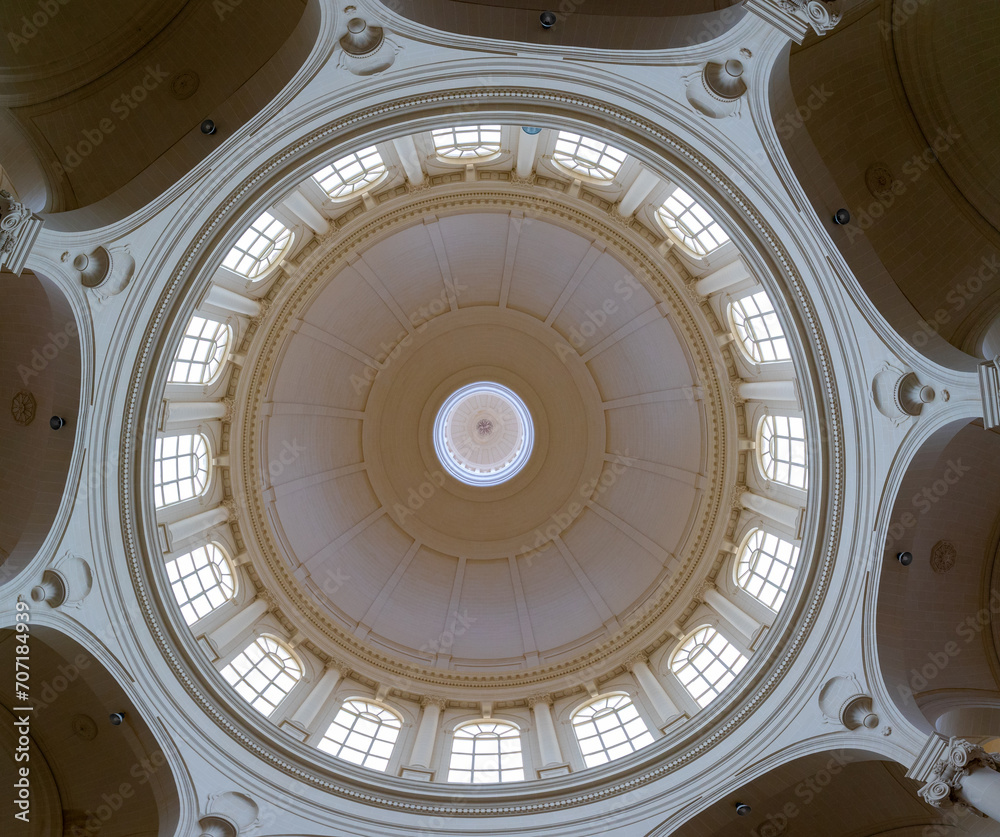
781, 449
467, 143
263, 673
766, 566
609, 728
201, 352
202, 580
756, 325
259, 247
363, 733
352, 173
586, 156
690, 222
706, 663
486, 751
180, 468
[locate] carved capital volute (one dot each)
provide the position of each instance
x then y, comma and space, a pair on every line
536, 699
960, 759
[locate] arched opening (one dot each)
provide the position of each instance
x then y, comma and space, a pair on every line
936, 635
127, 789
40, 370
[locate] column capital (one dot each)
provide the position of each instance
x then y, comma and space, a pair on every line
794, 17
338, 665
636, 659
19, 227
535, 699
960, 758
433, 700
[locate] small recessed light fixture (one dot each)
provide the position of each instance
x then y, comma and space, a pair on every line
208, 127
905, 558
841, 216
117, 718
548, 19
57, 422
742, 809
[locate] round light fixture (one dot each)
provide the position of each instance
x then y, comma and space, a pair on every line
483, 434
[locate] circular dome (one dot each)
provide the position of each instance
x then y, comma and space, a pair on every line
483, 434
511, 459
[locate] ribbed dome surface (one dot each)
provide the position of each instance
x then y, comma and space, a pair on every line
392, 548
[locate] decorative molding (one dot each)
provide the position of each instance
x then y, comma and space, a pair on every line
22, 408
137, 534
433, 700
943, 556
535, 699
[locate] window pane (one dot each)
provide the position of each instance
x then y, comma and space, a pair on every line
608, 728
586, 156
706, 663
351, 174
263, 673
259, 247
362, 733
691, 223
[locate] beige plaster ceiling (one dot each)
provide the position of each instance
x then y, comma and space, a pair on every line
607, 517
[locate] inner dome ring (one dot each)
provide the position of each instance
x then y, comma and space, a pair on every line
483, 434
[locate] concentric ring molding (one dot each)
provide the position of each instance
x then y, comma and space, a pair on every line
137, 522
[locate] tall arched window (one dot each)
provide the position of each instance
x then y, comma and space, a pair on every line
352, 173
486, 751
467, 143
608, 728
756, 326
263, 673
201, 352
690, 222
363, 733
202, 580
259, 247
766, 566
781, 449
180, 468
586, 156
706, 663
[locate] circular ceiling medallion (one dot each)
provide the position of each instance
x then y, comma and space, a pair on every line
483, 434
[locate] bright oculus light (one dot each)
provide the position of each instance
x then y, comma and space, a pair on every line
483, 434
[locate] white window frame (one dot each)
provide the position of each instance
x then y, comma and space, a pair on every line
259, 247
352, 174
766, 563
691, 224
202, 352
467, 143
264, 692
706, 663
349, 737
202, 579
487, 761
187, 478
600, 163
782, 455
602, 733
758, 330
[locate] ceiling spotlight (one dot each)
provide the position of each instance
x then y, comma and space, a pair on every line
905, 558
841, 216
208, 127
57, 422
742, 809
117, 718
548, 19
